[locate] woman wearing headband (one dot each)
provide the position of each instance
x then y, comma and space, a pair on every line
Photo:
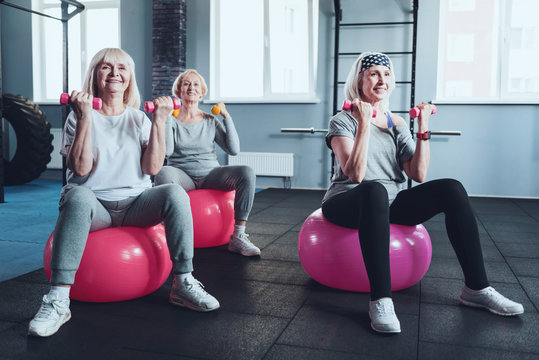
367, 192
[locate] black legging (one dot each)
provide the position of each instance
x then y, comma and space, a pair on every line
366, 208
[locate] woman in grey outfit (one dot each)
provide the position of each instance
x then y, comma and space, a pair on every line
192, 159
110, 155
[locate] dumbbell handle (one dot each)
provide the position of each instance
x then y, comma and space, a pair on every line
149, 106
347, 105
96, 103
415, 111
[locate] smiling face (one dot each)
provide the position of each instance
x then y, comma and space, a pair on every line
374, 85
113, 76
191, 88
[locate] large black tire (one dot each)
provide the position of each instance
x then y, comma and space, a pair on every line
34, 140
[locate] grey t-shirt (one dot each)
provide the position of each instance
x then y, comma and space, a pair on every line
191, 147
388, 150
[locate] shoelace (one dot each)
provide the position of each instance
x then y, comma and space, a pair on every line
384, 308
494, 297
192, 287
45, 311
245, 242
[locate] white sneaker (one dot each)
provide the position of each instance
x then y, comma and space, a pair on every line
383, 318
242, 245
52, 314
491, 300
191, 294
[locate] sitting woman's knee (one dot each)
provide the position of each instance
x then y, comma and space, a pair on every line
373, 195
165, 176
175, 192
453, 188
78, 196
247, 172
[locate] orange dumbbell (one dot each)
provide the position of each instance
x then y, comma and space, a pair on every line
215, 110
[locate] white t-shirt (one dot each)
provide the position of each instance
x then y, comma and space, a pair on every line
117, 146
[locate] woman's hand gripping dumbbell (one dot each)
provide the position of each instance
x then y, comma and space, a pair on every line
149, 106
415, 111
96, 103
347, 105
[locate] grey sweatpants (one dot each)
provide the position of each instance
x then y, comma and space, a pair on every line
81, 212
226, 178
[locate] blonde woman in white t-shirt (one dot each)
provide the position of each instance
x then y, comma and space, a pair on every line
110, 155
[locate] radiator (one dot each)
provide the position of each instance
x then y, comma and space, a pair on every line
266, 164
56, 158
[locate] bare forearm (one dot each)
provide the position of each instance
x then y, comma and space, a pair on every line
356, 165
419, 164
154, 154
80, 157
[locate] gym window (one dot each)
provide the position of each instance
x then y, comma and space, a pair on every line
270, 55
487, 50
97, 27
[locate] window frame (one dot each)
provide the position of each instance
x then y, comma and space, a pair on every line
502, 95
39, 44
267, 96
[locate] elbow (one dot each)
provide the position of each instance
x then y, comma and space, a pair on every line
355, 176
80, 171
420, 177
152, 170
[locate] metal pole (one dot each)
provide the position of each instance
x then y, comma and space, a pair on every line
338, 17
412, 88
65, 84
2, 178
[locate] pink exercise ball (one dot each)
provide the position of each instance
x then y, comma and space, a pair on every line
120, 263
331, 254
213, 216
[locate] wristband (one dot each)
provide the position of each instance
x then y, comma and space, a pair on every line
423, 136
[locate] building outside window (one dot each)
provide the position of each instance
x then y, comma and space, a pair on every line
487, 51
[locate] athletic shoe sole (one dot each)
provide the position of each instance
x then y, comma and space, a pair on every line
389, 330
476, 305
186, 304
35, 332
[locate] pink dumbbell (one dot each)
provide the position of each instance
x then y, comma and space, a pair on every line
347, 105
415, 111
149, 106
96, 103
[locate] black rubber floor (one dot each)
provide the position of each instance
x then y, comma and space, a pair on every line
271, 309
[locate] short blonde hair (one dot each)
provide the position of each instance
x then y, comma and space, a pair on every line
178, 82
354, 81
132, 94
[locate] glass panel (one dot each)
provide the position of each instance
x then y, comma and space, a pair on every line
523, 48
241, 48
103, 32
289, 46
52, 68
469, 47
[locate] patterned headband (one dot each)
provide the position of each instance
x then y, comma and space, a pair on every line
374, 59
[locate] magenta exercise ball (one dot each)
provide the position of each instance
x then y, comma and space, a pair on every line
331, 254
119, 263
213, 216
